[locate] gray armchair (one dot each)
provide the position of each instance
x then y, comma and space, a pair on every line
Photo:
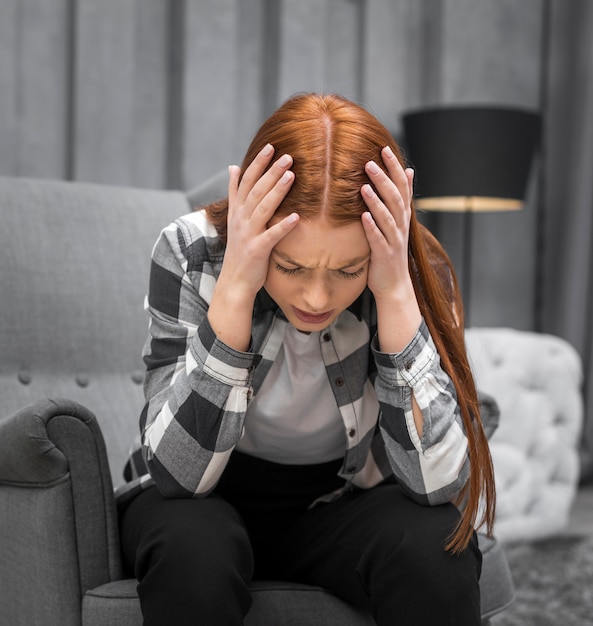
73, 274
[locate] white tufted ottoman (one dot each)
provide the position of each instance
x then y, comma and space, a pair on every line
536, 380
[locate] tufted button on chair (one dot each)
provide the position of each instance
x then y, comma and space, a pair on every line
74, 271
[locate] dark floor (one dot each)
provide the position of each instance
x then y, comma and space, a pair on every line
541, 598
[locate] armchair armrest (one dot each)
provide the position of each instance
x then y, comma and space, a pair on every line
58, 524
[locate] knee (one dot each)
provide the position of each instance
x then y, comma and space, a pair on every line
415, 552
416, 578
426, 559
193, 561
199, 538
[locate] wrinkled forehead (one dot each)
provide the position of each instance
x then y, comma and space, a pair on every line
319, 243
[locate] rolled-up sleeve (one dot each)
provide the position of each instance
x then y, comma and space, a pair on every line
432, 467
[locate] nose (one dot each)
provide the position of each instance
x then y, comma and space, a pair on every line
317, 295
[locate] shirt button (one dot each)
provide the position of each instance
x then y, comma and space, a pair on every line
351, 469
339, 381
408, 365
326, 337
351, 432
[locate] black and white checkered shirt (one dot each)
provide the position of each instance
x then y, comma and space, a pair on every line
197, 388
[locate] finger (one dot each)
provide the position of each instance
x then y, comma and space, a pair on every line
270, 181
396, 172
373, 233
254, 171
234, 174
381, 216
410, 175
268, 205
279, 230
394, 196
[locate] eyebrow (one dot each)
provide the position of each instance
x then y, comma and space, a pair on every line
351, 263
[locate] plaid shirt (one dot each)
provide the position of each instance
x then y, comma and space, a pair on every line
197, 388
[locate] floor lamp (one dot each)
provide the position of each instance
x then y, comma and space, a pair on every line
470, 160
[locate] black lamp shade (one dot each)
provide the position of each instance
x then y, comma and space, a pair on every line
471, 151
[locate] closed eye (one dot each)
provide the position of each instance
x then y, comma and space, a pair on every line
286, 270
291, 271
355, 274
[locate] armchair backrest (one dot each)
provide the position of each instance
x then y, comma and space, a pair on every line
74, 265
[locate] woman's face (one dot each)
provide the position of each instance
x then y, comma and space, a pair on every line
317, 271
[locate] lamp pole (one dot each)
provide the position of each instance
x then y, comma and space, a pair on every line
466, 262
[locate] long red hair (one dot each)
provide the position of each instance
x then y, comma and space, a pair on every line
330, 139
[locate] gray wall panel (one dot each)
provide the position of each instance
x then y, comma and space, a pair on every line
344, 48
34, 87
491, 51
8, 87
151, 92
491, 55
43, 85
210, 92
253, 45
163, 93
302, 52
104, 91
390, 55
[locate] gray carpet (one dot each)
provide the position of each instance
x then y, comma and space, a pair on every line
553, 583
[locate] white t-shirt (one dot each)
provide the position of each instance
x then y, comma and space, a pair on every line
294, 418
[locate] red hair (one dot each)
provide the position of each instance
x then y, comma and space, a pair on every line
330, 140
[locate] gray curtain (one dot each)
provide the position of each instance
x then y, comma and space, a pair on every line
566, 305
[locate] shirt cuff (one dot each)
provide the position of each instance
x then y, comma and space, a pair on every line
412, 364
220, 360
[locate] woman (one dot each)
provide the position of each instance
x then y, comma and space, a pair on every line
311, 415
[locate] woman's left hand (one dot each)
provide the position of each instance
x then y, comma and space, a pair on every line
387, 225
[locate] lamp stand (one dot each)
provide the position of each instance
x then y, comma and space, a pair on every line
466, 263
468, 205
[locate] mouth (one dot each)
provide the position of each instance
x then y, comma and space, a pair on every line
312, 318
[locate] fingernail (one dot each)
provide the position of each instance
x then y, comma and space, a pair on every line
373, 167
292, 218
286, 177
267, 150
368, 190
284, 160
389, 152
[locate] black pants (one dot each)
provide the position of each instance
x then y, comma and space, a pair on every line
375, 548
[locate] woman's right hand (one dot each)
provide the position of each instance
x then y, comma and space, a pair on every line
253, 201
